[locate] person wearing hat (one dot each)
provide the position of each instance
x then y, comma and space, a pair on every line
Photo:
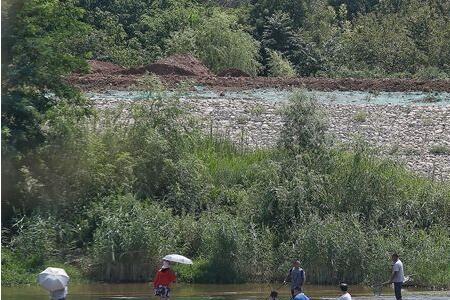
345, 294
297, 277
164, 277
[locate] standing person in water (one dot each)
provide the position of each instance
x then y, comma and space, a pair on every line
397, 276
296, 276
164, 277
59, 294
345, 294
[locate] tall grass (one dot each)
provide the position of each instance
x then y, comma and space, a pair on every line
133, 184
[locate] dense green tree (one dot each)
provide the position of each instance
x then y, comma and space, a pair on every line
309, 47
355, 7
277, 36
39, 42
365, 44
262, 10
134, 33
220, 42
278, 32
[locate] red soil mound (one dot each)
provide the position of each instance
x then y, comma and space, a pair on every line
103, 67
233, 72
180, 64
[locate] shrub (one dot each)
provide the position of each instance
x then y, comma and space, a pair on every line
427, 256
430, 73
37, 237
279, 66
192, 273
219, 42
304, 124
366, 45
440, 150
16, 269
221, 236
39, 242
360, 117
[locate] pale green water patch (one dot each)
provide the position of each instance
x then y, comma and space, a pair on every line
277, 95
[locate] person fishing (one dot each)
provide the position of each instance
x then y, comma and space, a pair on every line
397, 276
164, 277
55, 281
297, 277
60, 294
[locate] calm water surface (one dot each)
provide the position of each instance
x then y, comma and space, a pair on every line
208, 292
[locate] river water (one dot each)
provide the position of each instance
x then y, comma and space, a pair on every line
276, 95
209, 292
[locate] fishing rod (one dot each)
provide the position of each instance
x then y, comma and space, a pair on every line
284, 283
377, 288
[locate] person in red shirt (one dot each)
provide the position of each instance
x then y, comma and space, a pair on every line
164, 277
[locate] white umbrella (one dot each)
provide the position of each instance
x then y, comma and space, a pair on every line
53, 279
178, 258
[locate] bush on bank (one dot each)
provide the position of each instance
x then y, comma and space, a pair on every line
220, 42
128, 185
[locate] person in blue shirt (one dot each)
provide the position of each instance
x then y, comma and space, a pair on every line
296, 276
299, 295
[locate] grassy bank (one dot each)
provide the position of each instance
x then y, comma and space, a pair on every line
18, 269
107, 196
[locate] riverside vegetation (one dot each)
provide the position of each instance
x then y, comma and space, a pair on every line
107, 193
112, 193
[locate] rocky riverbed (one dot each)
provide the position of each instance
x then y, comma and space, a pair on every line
417, 135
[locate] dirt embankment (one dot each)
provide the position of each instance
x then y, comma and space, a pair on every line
179, 68
232, 72
118, 81
103, 67
181, 65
